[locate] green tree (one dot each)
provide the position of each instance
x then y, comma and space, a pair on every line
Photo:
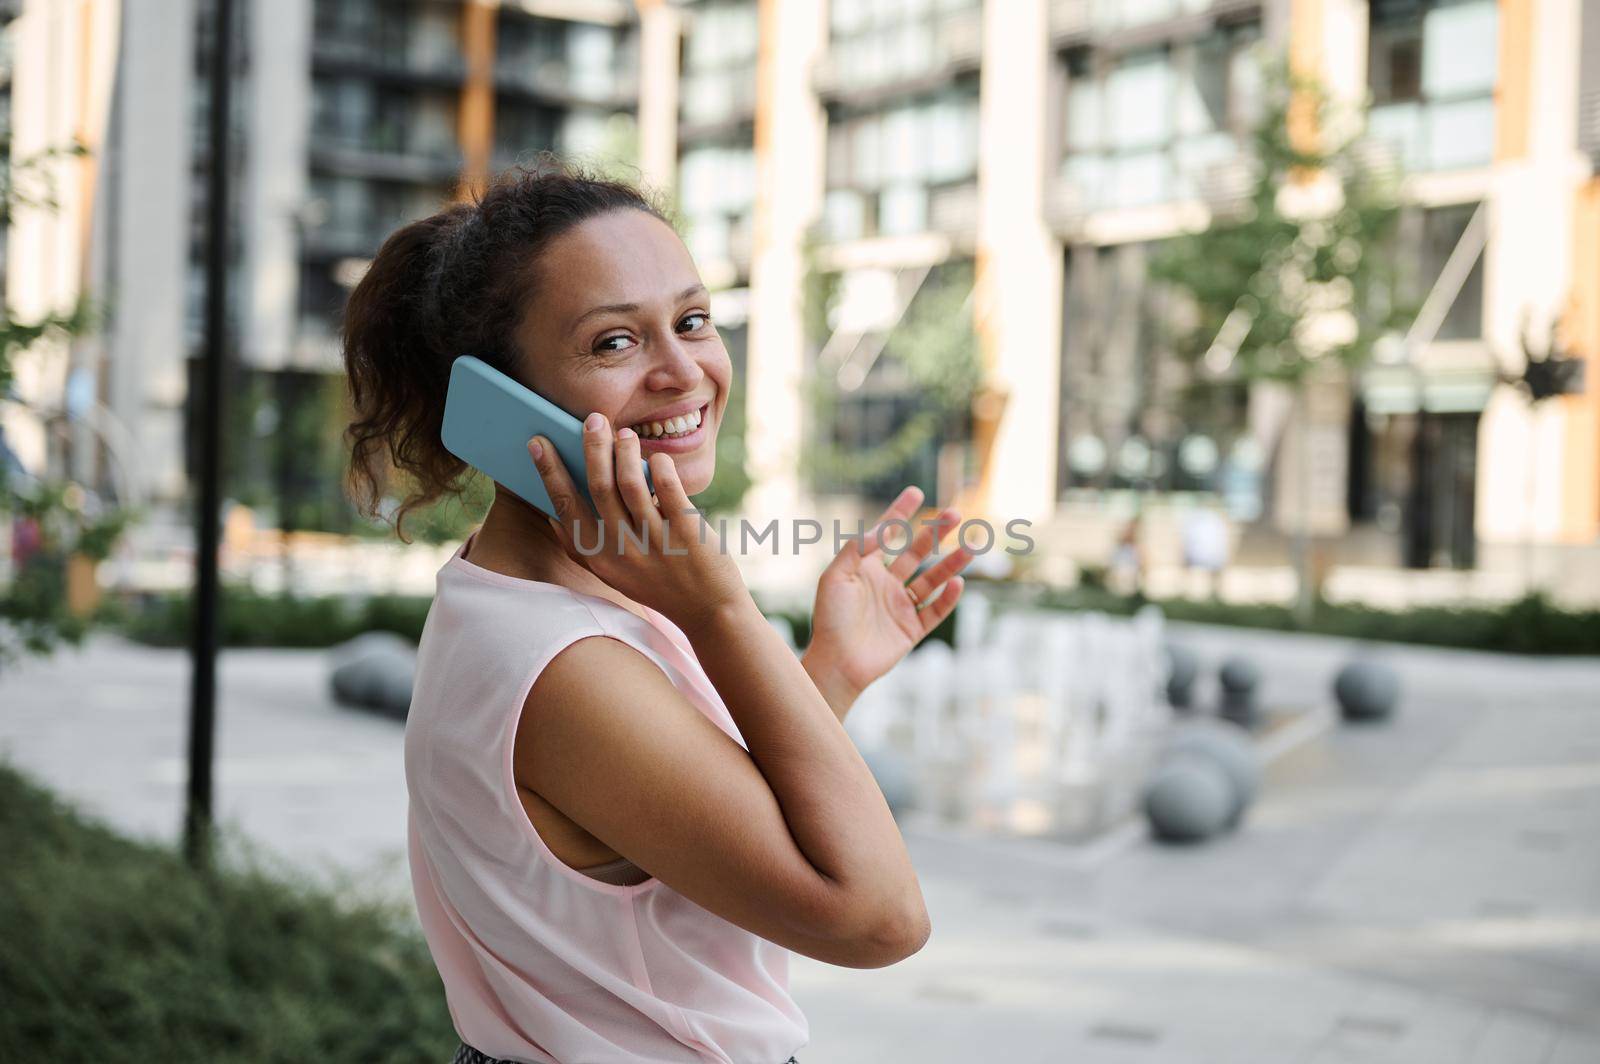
1301, 280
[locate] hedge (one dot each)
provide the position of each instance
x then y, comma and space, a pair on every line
1532, 625
116, 950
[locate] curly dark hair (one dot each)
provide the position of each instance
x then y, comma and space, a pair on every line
457, 282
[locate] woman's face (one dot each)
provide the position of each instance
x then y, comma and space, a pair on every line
622, 326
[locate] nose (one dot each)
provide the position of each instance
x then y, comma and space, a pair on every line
674, 366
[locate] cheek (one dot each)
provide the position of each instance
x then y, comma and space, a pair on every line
610, 393
721, 371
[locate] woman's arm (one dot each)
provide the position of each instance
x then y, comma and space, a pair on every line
829, 799
838, 692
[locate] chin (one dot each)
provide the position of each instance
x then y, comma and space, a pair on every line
699, 478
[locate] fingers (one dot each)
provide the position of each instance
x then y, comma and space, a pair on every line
931, 532
598, 453
557, 481
677, 511
901, 509
630, 480
934, 613
940, 571
572, 513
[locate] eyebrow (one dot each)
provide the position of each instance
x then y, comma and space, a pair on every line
628, 308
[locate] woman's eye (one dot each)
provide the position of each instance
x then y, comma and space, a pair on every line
601, 346
704, 320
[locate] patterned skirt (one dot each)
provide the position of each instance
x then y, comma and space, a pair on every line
465, 1054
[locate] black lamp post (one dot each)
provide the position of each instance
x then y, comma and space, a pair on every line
197, 834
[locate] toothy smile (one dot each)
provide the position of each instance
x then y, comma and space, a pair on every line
669, 428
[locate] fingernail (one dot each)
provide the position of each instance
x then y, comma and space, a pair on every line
592, 422
538, 450
625, 434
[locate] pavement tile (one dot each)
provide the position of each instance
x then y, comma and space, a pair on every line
1427, 891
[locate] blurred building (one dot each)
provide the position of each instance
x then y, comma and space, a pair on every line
351, 117
1034, 154
1058, 145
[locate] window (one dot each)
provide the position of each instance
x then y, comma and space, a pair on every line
905, 156
1442, 228
1132, 414
1432, 67
1145, 127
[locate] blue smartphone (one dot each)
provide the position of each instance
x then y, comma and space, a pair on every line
489, 419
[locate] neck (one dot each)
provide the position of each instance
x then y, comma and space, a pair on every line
516, 539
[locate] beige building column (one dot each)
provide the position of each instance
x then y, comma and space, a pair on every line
475, 126
1529, 275
65, 59
789, 137
660, 44
1580, 494
1019, 268
273, 193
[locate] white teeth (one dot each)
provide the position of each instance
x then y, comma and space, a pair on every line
671, 427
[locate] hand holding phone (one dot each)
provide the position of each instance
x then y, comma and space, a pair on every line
655, 548
489, 419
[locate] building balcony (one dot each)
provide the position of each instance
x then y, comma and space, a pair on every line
903, 210
1434, 135
385, 158
363, 58
858, 71
714, 105
553, 81
1210, 169
1119, 25
1589, 124
329, 243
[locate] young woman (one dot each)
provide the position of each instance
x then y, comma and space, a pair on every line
628, 798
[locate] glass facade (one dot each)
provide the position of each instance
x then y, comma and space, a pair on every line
716, 165
1144, 127
1431, 71
888, 169
1133, 414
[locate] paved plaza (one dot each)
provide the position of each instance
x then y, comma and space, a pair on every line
1422, 891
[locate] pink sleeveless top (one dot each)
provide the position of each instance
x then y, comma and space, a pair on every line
539, 961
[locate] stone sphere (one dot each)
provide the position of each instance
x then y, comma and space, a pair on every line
1188, 799
375, 670
1239, 675
1367, 690
1183, 668
893, 775
1230, 746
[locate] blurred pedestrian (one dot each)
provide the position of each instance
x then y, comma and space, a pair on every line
1126, 568
1205, 546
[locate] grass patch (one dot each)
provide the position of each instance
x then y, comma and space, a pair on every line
116, 950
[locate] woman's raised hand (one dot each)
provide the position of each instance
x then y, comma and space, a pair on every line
657, 549
870, 612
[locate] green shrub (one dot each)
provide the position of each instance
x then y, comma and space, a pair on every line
116, 950
252, 619
1532, 625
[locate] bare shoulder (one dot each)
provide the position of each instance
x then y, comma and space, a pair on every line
606, 739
